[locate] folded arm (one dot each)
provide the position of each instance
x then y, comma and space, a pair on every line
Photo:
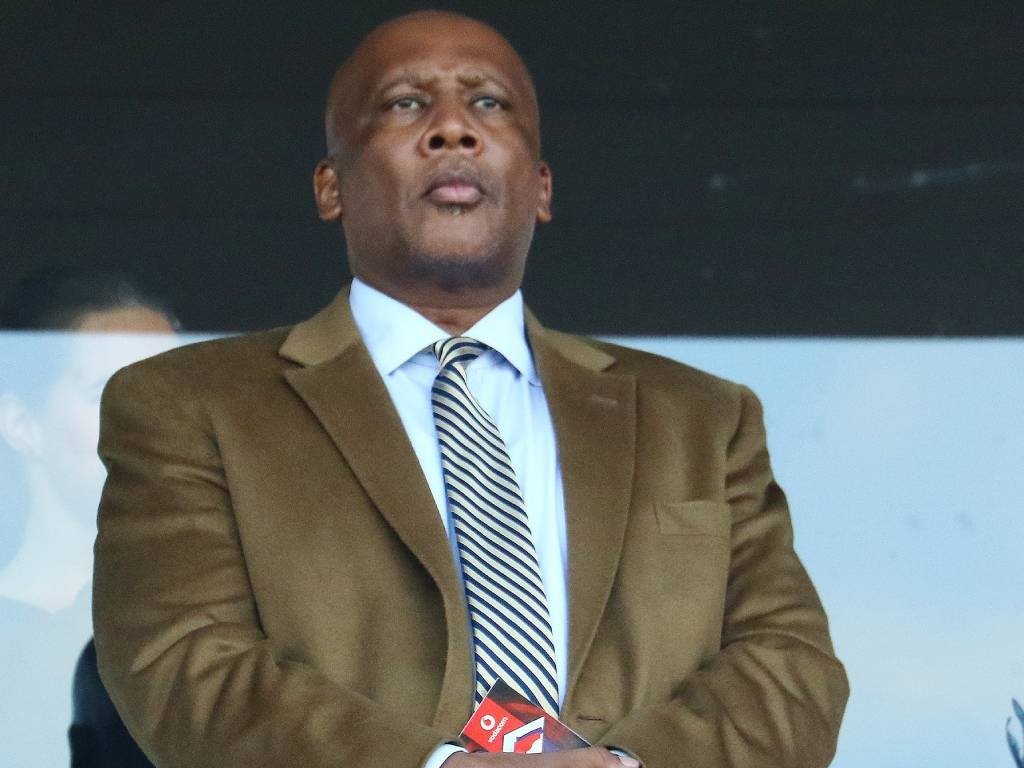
774, 695
178, 633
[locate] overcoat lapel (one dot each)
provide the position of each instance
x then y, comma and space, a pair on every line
343, 389
594, 415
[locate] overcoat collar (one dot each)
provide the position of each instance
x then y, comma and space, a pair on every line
594, 414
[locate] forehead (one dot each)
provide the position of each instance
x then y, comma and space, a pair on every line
425, 51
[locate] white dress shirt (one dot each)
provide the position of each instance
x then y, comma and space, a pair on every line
504, 381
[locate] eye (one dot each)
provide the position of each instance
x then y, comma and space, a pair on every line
406, 104
488, 103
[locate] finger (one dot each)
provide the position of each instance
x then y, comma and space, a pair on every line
599, 756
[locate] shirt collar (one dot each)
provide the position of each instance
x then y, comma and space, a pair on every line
394, 333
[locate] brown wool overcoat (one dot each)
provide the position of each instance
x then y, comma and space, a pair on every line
274, 586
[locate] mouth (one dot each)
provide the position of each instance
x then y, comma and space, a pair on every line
459, 188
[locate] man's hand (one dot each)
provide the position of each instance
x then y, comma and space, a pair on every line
592, 757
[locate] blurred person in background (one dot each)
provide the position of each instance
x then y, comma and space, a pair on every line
73, 329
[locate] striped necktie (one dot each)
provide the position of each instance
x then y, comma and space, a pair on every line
508, 611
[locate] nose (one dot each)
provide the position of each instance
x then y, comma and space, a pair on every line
451, 130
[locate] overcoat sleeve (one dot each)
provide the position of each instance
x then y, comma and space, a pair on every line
178, 635
774, 695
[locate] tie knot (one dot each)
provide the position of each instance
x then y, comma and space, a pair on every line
458, 350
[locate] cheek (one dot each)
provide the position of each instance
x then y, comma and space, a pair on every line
524, 190
378, 175
522, 178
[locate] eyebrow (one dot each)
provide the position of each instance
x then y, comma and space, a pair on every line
472, 79
406, 78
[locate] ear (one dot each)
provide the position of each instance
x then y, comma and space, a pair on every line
18, 427
544, 205
325, 190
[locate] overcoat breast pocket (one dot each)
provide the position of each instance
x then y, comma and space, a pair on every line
674, 581
700, 517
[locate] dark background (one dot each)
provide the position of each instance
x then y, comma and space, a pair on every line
766, 168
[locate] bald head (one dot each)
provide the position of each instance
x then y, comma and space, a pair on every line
395, 48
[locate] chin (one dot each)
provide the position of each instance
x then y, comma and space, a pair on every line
457, 269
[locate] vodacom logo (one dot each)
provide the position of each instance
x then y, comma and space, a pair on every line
487, 722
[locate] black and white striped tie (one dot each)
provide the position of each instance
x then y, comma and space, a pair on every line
508, 610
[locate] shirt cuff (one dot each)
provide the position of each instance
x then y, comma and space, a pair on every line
623, 753
440, 754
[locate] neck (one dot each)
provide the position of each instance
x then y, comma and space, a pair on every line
454, 320
54, 561
454, 311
